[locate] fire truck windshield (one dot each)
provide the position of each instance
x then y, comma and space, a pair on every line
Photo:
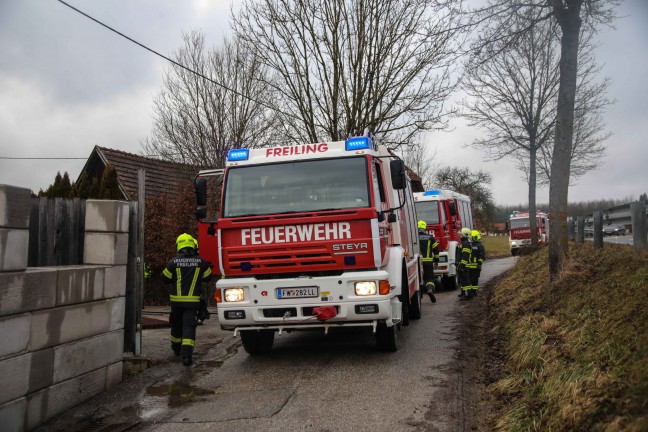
428, 211
296, 186
520, 223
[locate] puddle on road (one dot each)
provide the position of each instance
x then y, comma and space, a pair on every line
178, 393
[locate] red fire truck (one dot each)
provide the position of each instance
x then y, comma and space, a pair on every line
312, 236
520, 232
446, 213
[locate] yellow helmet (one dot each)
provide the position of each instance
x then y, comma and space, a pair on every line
422, 224
475, 235
465, 232
185, 241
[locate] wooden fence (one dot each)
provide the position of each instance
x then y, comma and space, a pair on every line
56, 232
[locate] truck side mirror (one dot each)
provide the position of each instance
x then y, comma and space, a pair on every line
397, 170
200, 189
201, 213
453, 209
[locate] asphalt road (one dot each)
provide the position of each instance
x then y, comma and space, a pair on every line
310, 381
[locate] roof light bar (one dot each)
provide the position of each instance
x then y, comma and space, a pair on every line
358, 143
238, 155
432, 192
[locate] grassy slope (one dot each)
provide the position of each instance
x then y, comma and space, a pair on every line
576, 354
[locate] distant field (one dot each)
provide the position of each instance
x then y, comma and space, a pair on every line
496, 246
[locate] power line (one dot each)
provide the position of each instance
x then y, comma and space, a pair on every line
42, 158
171, 60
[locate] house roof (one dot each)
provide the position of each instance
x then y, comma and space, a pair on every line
160, 176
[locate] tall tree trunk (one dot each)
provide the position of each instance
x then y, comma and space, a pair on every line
533, 220
568, 17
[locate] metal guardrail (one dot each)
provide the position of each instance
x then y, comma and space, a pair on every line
634, 216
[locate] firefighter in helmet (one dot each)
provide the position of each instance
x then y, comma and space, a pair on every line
430, 257
186, 273
477, 257
464, 249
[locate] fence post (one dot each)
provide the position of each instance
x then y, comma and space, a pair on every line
638, 215
580, 229
571, 228
598, 229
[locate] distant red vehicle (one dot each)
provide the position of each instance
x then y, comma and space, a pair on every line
520, 231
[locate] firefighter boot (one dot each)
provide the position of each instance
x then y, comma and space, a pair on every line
462, 294
430, 291
176, 349
467, 296
186, 355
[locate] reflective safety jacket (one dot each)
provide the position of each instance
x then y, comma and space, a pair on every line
186, 272
477, 254
465, 252
429, 246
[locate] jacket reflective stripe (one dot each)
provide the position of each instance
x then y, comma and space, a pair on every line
193, 282
167, 273
185, 299
207, 272
178, 282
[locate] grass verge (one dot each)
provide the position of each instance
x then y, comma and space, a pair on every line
496, 246
573, 356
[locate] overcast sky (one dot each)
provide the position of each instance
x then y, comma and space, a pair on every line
68, 84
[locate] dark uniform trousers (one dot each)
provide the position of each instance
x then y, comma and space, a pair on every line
183, 329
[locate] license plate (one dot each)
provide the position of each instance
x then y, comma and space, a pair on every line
303, 292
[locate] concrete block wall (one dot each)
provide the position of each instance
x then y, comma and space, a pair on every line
62, 327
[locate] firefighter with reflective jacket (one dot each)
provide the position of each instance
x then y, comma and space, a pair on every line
464, 257
185, 272
477, 257
430, 257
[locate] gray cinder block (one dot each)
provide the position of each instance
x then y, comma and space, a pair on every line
86, 355
114, 374
15, 330
107, 216
69, 323
14, 247
12, 415
115, 282
105, 248
26, 291
14, 379
14, 207
117, 313
45, 404
79, 284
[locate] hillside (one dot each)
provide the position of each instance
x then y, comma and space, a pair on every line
573, 357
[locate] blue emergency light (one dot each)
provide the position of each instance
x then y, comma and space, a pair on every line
432, 192
358, 143
238, 155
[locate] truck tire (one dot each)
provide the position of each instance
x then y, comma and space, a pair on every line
386, 337
257, 342
514, 252
415, 306
449, 282
405, 298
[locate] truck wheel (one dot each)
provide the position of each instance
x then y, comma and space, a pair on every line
405, 298
257, 342
386, 337
514, 251
415, 306
450, 282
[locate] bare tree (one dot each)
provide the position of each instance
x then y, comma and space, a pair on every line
198, 120
513, 94
474, 184
422, 160
342, 67
569, 15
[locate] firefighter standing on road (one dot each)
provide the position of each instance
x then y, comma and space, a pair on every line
430, 257
185, 272
465, 250
477, 257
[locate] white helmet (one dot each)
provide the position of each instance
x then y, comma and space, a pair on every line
465, 232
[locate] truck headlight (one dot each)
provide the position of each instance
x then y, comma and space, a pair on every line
365, 288
236, 294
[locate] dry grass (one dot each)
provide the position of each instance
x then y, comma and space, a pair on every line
576, 353
496, 246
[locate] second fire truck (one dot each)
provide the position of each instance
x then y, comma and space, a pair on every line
446, 213
312, 236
